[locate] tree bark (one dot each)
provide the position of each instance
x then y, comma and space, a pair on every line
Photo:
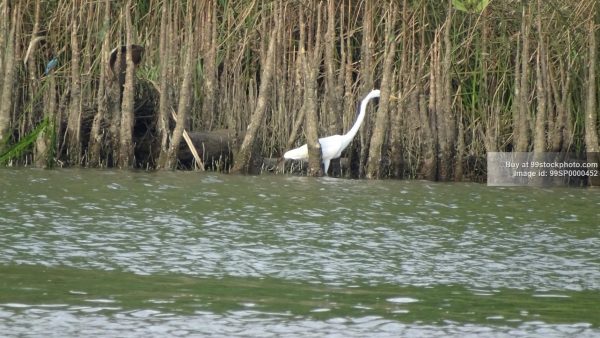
74, 119
209, 87
382, 119
404, 87
492, 100
521, 110
115, 98
557, 122
460, 151
46, 141
33, 83
591, 115
446, 122
4, 28
185, 94
126, 157
332, 99
433, 103
164, 101
367, 68
9, 75
311, 65
243, 158
96, 134
539, 141
428, 122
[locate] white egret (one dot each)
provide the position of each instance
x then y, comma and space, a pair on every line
332, 146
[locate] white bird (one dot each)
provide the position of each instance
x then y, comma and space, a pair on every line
332, 146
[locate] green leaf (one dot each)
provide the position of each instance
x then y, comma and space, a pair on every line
459, 5
470, 6
482, 5
20, 147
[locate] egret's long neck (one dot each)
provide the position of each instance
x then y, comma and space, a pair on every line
359, 120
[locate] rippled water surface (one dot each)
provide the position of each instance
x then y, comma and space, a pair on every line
105, 253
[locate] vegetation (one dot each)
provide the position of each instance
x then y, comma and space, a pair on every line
459, 78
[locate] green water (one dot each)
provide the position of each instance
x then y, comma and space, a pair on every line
116, 253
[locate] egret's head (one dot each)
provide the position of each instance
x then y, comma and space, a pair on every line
374, 93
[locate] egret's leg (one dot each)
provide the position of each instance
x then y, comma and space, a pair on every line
326, 166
